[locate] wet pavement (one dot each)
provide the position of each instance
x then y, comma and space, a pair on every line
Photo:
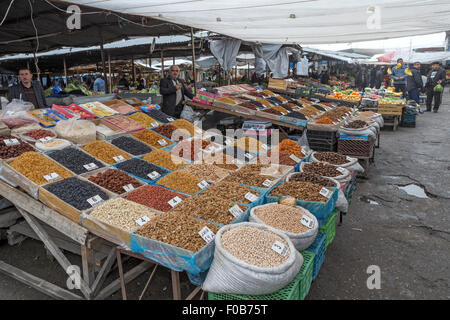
398, 220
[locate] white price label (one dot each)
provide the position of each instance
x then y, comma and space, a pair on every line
264, 146
206, 234
162, 142
267, 183
304, 151
11, 142
175, 201
154, 124
202, 184
341, 170
295, 158
51, 176
154, 175
236, 211
307, 221
94, 200
325, 192
348, 158
170, 119
90, 166
280, 248
142, 220
251, 197
46, 139
249, 156
118, 158
128, 187
198, 131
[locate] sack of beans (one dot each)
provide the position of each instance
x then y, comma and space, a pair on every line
251, 258
300, 225
338, 160
325, 170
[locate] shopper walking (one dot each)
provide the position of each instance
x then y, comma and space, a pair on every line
414, 84
435, 86
173, 91
99, 84
398, 74
28, 90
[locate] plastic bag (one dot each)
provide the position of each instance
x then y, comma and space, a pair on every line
15, 114
55, 144
76, 131
301, 241
231, 275
342, 202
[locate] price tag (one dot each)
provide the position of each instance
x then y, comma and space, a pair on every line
280, 248
154, 124
236, 211
251, 197
202, 184
307, 221
295, 158
304, 151
90, 166
267, 183
348, 158
51, 176
249, 156
142, 220
265, 147
94, 200
162, 142
46, 139
341, 170
170, 119
175, 201
128, 187
206, 234
11, 142
154, 175
118, 159
325, 192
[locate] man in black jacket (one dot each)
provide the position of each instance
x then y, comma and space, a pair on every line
414, 84
173, 92
435, 76
379, 77
28, 90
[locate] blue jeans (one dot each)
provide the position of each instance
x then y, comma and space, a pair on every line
414, 95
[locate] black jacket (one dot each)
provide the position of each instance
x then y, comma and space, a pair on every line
15, 92
379, 78
169, 93
414, 81
432, 82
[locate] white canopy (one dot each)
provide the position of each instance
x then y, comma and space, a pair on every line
302, 21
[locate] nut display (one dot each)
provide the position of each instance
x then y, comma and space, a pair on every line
130, 145
313, 178
296, 114
251, 144
114, 180
230, 190
253, 175
124, 123
184, 124
155, 197
75, 160
165, 160
167, 131
39, 134
177, 230
240, 154
206, 172
323, 169
145, 120
180, 181
306, 191
12, 151
331, 157
190, 149
141, 169
221, 160
152, 138
356, 124
122, 213
272, 111
35, 166
338, 113
282, 217
213, 209
104, 151
76, 192
254, 246
276, 157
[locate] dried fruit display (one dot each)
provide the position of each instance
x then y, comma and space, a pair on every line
115, 181
300, 190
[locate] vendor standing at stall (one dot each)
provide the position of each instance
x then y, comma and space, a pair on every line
173, 91
28, 90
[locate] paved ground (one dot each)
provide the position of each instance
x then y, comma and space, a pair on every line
406, 236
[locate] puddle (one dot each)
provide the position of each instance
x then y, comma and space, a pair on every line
368, 200
414, 190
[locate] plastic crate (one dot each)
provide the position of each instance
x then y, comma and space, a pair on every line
329, 228
289, 292
306, 273
322, 140
318, 248
408, 124
357, 148
408, 118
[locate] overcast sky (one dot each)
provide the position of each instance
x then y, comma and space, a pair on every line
432, 40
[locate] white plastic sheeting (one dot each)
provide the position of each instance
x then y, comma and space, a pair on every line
411, 57
289, 21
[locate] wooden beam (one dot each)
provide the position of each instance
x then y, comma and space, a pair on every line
88, 264
193, 61
109, 73
106, 267
133, 70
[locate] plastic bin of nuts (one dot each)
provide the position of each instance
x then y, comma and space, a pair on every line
157, 197
114, 180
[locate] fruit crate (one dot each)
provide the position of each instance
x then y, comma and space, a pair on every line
390, 109
322, 140
318, 248
356, 148
329, 228
289, 292
306, 273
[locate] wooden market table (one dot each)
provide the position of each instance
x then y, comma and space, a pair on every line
247, 116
